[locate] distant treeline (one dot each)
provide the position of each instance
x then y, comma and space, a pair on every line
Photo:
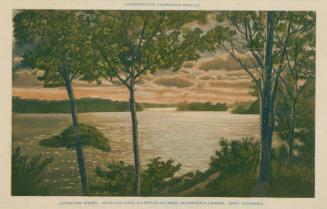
62, 106
156, 105
247, 108
207, 106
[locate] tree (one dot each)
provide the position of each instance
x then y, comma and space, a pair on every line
299, 73
130, 44
258, 41
305, 124
53, 42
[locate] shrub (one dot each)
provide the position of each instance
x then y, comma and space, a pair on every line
157, 175
236, 156
119, 178
89, 135
27, 174
238, 162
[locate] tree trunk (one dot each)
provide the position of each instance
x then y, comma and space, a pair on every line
79, 147
266, 123
137, 162
291, 135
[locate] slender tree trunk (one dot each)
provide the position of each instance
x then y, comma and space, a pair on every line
291, 135
79, 147
266, 123
137, 162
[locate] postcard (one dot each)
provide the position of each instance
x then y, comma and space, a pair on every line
163, 104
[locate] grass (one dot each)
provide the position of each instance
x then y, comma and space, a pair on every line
291, 180
28, 173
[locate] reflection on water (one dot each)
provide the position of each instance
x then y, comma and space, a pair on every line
189, 138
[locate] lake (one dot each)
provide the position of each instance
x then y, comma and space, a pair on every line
189, 138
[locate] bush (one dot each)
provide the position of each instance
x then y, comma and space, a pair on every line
90, 136
236, 162
236, 156
27, 174
119, 178
157, 175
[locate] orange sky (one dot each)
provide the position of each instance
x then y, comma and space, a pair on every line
215, 79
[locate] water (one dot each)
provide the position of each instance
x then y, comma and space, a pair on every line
189, 138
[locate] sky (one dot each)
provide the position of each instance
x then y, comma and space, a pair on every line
217, 78
214, 78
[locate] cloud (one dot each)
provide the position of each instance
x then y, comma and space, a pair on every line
174, 81
227, 84
216, 78
223, 61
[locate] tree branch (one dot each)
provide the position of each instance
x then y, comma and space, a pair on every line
112, 69
232, 53
249, 40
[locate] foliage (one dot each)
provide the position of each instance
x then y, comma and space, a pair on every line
291, 180
131, 43
157, 175
236, 156
54, 42
238, 163
247, 108
298, 76
119, 178
207, 106
268, 39
56, 45
305, 124
89, 135
28, 173
62, 106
